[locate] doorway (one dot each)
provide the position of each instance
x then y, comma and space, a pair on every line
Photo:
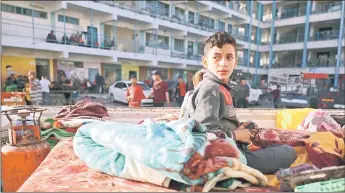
133, 73
92, 72
42, 68
92, 36
190, 49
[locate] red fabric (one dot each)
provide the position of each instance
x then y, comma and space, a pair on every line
267, 137
159, 90
212, 159
182, 88
83, 109
137, 94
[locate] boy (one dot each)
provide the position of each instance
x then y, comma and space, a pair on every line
211, 104
180, 91
134, 94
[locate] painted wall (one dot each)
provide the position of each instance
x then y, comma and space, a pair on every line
21, 65
126, 68
78, 74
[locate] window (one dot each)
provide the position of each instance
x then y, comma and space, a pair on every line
120, 85
163, 42
78, 64
178, 45
201, 49
23, 11
229, 28
191, 16
162, 9
71, 20
179, 13
221, 26
149, 39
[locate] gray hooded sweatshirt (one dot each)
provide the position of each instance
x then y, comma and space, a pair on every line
211, 105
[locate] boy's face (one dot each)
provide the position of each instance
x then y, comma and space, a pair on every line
133, 80
221, 61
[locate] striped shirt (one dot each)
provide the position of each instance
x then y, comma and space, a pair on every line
35, 92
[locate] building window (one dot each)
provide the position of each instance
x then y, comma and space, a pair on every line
149, 39
179, 45
179, 13
23, 11
201, 49
163, 9
221, 26
191, 16
230, 29
70, 20
163, 42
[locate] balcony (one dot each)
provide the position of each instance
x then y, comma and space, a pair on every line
325, 62
238, 7
291, 13
326, 35
222, 3
288, 39
328, 7
286, 63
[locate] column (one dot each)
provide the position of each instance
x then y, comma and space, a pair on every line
142, 41
272, 34
171, 44
171, 9
258, 42
114, 33
33, 22
313, 6
306, 35
251, 4
185, 45
102, 36
340, 40
64, 23
196, 46
185, 12
91, 35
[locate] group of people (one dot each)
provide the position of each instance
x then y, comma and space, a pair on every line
211, 104
73, 39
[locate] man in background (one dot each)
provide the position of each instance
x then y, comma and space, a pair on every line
180, 91
242, 94
45, 84
160, 92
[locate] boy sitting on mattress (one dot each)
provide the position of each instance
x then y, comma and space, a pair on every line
211, 104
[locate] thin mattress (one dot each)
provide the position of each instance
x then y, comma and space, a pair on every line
63, 171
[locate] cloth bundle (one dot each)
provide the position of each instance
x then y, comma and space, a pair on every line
158, 152
85, 109
66, 123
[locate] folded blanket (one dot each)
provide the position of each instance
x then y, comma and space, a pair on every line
85, 109
178, 150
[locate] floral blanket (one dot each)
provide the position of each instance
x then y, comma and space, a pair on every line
179, 150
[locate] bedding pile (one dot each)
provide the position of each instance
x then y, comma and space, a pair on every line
67, 121
161, 153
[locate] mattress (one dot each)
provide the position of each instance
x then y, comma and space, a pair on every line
63, 171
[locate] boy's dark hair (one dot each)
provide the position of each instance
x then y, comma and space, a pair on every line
8, 66
278, 86
219, 39
242, 79
133, 76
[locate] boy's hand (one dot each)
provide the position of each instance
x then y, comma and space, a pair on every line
243, 135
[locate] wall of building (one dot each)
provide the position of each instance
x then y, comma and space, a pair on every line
126, 68
20, 65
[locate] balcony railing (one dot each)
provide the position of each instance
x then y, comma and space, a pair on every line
290, 13
326, 35
238, 7
222, 3
286, 39
284, 63
328, 7
327, 62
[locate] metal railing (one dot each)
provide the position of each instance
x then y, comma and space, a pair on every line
237, 7
326, 35
290, 13
286, 63
222, 3
328, 7
286, 39
327, 62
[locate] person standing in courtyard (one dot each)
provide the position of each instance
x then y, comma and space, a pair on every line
160, 92
135, 93
45, 83
180, 91
242, 94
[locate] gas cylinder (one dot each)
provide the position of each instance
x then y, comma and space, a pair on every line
19, 162
26, 150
